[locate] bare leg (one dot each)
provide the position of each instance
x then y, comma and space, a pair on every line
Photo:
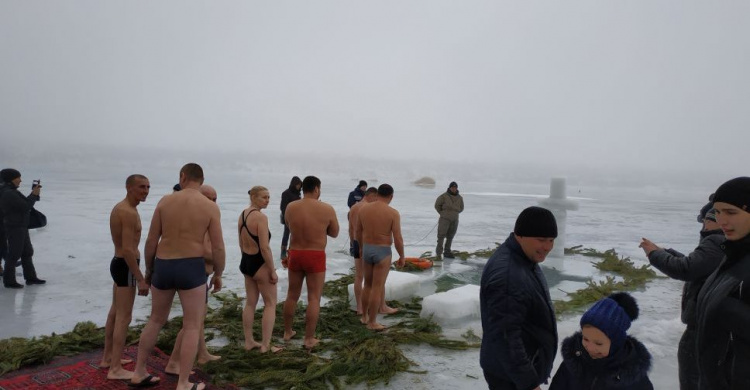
109, 329
358, 279
268, 291
290, 304
248, 313
315, 283
366, 291
203, 355
193, 306
384, 308
379, 273
161, 303
124, 298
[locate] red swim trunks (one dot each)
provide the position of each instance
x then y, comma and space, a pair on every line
307, 261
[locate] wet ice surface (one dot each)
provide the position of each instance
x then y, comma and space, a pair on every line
74, 250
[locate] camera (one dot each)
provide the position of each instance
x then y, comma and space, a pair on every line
36, 183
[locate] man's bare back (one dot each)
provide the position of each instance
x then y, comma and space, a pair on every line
183, 233
310, 222
380, 224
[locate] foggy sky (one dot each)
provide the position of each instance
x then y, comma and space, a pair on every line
649, 84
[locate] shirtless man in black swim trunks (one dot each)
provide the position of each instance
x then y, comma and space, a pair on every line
174, 263
125, 227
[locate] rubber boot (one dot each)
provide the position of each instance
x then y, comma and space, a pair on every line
448, 254
439, 249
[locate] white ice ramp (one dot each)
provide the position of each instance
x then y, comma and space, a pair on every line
458, 305
399, 286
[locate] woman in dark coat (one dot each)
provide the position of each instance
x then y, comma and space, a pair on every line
602, 356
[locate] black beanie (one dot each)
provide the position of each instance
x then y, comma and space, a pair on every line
735, 192
453, 184
362, 183
9, 174
702, 214
536, 222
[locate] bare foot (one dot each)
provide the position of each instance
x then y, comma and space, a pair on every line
387, 310
120, 374
376, 327
173, 368
273, 349
148, 381
105, 363
288, 336
191, 386
207, 357
249, 346
363, 319
311, 343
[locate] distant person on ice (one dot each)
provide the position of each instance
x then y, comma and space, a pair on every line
693, 269
15, 210
518, 320
723, 309
602, 356
288, 196
449, 204
357, 194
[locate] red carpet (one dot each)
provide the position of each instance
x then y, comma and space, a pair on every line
81, 372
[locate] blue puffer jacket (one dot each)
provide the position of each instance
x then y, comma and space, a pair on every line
519, 342
627, 369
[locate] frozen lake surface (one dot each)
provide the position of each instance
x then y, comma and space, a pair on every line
74, 250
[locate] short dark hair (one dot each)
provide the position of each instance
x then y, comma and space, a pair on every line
371, 190
309, 184
385, 190
193, 172
132, 178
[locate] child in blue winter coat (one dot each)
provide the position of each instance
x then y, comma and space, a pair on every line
602, 356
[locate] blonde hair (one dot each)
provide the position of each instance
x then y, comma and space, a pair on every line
256, 190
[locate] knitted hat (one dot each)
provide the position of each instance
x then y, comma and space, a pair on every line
612, 315
710, 215
536, 222
362, 183
704, 210
735, 192
177, 187
453, 184
9, 174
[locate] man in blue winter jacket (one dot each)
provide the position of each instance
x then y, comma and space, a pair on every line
519, 341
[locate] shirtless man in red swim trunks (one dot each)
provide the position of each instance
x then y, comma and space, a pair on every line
309, 221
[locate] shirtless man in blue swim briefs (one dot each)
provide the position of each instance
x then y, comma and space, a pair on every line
125, 227
378, 226
174, 263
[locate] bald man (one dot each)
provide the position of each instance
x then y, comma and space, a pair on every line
204, 356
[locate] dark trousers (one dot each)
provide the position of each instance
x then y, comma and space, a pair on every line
498, 383
687, 361
285, 237
19, 247
446, 231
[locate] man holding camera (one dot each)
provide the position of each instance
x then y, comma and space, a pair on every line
15, 208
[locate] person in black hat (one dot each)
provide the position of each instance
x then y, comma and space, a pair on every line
357, 194
289, 195
723, 307
449, 204
693, 269
519, 339
15, 209
602, 355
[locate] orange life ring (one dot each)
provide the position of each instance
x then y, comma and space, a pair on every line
419, 262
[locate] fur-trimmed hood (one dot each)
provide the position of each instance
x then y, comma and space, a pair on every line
626, 369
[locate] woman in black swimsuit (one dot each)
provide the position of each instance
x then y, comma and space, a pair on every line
258, 267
